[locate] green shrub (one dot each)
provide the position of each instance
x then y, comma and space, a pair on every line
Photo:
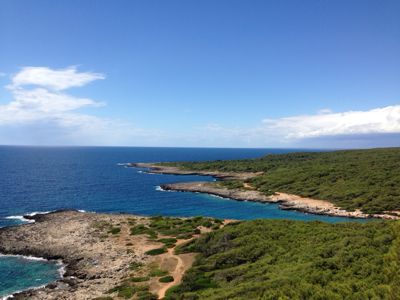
231, 184
135, 265
156, 251
180, 228
115, 230
168, 240
142, 229
131, 221
139, 279
165, 279
157, 272
184, 236
124, 291
146, 295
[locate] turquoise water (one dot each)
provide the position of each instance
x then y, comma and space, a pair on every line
91, 178
18, 273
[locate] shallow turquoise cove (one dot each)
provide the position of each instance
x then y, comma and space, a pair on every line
18, 273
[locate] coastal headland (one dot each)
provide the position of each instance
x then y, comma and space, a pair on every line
249, 193
105, 255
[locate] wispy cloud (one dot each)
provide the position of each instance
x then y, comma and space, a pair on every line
42, 111
58, 80
31, 103
327, 123
39, 103
331, 129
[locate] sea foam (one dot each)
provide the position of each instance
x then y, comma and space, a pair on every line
59, 263
159, 188
31, 214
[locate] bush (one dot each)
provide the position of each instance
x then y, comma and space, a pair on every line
124, 291
157, 272
142, 229
168, 240
156, 251
185, 236
115, 230
180, 228
166, 279
135, 265
146, 295
139, 279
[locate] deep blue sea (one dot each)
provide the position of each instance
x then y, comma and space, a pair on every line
40, 179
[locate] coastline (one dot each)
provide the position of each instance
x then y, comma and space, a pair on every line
157, 169
285, 201
59, 263
95, 260
67, 236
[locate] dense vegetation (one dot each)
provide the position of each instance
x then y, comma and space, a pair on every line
164, 230
270, 259
355, 179
177, 228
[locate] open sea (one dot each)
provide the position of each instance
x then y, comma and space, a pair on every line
42, 179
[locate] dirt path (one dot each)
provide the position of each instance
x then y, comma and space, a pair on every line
99, 252
184, 262
248, 186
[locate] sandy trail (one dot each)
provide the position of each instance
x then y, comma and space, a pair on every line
248, 186
176, 265
97, 258
184, 262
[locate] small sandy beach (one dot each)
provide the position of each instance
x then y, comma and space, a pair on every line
248, 193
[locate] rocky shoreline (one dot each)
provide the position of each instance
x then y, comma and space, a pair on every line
157, 169
96, 259
286, 201
67, 236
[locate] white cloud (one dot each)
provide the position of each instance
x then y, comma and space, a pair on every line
378, 120
41, 111
40, 108
325, 111
324, 128
48, 102
40, 103
58, 80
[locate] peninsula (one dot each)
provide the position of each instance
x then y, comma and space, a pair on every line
352, 183
106, 256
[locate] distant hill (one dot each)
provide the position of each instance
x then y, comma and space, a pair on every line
368, 180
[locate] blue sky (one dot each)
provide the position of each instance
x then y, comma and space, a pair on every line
200, 73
